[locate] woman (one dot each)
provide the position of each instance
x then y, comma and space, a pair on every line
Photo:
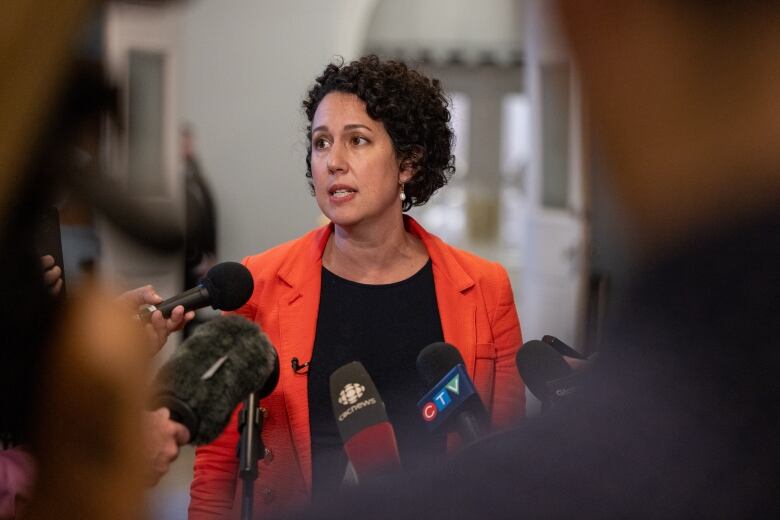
371, 286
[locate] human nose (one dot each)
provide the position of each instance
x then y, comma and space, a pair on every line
337, 162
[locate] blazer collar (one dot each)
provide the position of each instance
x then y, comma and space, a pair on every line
295, 272
441, 256
297, 267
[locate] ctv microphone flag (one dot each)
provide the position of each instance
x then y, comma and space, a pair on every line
453, 390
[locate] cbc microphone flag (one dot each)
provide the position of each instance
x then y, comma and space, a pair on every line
454, 389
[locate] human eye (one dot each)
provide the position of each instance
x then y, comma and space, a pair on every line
320, 143
358, 140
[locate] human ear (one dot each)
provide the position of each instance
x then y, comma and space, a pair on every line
409, 165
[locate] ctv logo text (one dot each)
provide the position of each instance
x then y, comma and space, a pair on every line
441, 400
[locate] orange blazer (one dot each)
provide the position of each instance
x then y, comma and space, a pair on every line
478, 316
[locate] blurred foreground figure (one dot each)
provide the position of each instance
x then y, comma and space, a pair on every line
72, 370
680, 417
93, 393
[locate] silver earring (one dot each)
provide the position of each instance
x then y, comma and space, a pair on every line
403, 195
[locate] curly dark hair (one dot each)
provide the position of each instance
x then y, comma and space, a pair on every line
413, 109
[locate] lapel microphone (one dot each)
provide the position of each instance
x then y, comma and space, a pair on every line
298, 367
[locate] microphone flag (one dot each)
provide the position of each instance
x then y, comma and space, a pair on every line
453, 393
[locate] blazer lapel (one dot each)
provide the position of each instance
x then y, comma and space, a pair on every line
458, 318
298, 308
453, 296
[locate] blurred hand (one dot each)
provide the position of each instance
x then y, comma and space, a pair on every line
158, 329
164, 436
52, 275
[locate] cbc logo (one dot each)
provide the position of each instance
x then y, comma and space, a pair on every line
351, 393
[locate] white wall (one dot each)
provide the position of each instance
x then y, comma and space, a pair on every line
246, 65
554, 268
441, 26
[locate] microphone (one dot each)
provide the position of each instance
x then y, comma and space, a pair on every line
562, 348
538, 363
226, 287
368, 437
453, 402
224, 361
549, 375
298, 367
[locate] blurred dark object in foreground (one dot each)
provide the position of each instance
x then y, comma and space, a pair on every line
200, 241
71, 372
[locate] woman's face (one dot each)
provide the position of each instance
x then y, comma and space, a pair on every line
355, 171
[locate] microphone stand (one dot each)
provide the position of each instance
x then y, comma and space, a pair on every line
250, 451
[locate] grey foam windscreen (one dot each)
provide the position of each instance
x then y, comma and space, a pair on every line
224, 361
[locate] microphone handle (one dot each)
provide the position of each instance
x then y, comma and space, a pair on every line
191, 299
468, 426
373, 451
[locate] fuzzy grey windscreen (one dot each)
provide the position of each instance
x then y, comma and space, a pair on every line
225, 360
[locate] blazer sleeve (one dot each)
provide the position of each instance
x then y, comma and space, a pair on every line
213, 485
508, 405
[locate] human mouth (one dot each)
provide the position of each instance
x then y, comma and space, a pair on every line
341, 192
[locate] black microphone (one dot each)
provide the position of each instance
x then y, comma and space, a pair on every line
538, 364
224, 361
226, 287
453, 402
368, 437
562, 348
549, 376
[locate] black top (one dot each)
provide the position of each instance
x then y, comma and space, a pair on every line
384, 327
